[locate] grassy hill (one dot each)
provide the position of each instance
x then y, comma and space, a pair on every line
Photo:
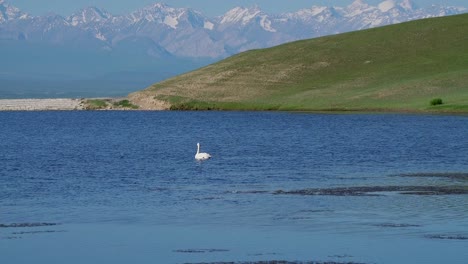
393, 68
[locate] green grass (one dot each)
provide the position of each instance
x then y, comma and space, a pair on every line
109, 103
394, 68
95, 104
125, 104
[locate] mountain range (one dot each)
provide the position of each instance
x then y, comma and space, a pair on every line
162, 30
94, 42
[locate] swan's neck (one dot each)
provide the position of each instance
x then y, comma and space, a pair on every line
198, 148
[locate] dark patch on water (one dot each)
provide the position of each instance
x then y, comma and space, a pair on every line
158, 189
450, 175
316, 211
12, 237
447, 237
378, 190
395, 225
206, 198
300, 218
17, 234
341, 256
262, 254
329, 192
249, 192
278, 262
16, 225
38, 232
201, 250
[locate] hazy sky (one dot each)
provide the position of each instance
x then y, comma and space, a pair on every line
207, 7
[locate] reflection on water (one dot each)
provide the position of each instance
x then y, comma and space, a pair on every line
123, 187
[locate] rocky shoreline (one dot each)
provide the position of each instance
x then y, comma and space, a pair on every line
41, 104
69, 104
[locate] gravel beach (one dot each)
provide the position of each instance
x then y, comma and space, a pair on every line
40, 104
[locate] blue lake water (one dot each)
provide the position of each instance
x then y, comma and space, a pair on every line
124, 187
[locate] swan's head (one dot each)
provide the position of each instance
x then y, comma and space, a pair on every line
198, 144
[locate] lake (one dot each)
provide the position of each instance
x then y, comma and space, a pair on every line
124, 187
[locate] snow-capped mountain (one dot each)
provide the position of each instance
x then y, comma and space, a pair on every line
9, 12
159, 29
89, 15
243, 16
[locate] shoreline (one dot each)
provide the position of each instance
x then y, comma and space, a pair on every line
41, 104
61, 104
74, 104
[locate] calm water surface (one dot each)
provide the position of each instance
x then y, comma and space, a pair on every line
123, 187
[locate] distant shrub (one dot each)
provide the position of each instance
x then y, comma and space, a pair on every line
193, 106
95, 104
125, 104
436, 101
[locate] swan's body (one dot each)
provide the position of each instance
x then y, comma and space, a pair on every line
202, 155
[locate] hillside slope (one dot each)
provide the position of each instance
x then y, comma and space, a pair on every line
399, 67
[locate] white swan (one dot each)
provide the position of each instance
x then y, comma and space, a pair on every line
201, 156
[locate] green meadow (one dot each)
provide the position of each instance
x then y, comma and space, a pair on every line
400, 67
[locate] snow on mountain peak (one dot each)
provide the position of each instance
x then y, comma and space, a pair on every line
407, 5
240, 14
387, 5
315, 10
9, 12
316, 13
160, 13
358, 4
171, 21
159, 5
208, 25
156, 8
244, 16
153, 13
89, 15
100, 36
358, 7
265, 23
